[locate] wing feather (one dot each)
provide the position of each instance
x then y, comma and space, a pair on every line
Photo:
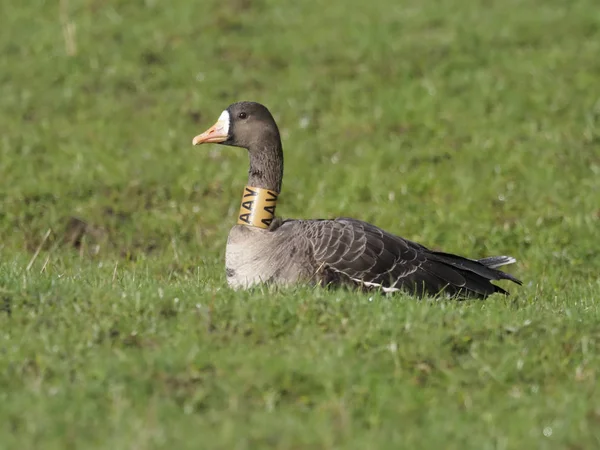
367, 255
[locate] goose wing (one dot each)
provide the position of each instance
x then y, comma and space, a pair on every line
369, 256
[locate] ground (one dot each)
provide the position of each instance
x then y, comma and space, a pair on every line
473, 127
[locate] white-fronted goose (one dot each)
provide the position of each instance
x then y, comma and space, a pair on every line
264, 249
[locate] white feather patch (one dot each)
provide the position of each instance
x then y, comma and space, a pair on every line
223, 122
370, 284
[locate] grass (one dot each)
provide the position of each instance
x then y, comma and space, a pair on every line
468, 126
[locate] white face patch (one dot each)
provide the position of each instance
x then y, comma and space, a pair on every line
223, 123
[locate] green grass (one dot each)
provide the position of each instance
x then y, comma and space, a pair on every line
468, 126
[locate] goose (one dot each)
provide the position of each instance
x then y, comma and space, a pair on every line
263, 248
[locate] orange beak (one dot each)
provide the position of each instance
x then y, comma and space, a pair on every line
219, 132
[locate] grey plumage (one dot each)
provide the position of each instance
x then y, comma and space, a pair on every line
350, 252
341, 251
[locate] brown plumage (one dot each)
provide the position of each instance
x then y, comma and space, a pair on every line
335, 252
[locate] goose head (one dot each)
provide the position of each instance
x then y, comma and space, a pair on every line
248, 125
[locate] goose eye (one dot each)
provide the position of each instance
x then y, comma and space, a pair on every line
242, 115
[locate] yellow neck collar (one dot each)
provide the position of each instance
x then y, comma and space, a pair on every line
258, 207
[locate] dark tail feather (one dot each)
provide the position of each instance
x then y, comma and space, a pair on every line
497, 261
481, 285
485, 267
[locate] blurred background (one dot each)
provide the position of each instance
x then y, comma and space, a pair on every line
469, 126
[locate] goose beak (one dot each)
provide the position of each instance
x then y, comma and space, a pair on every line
219, 132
